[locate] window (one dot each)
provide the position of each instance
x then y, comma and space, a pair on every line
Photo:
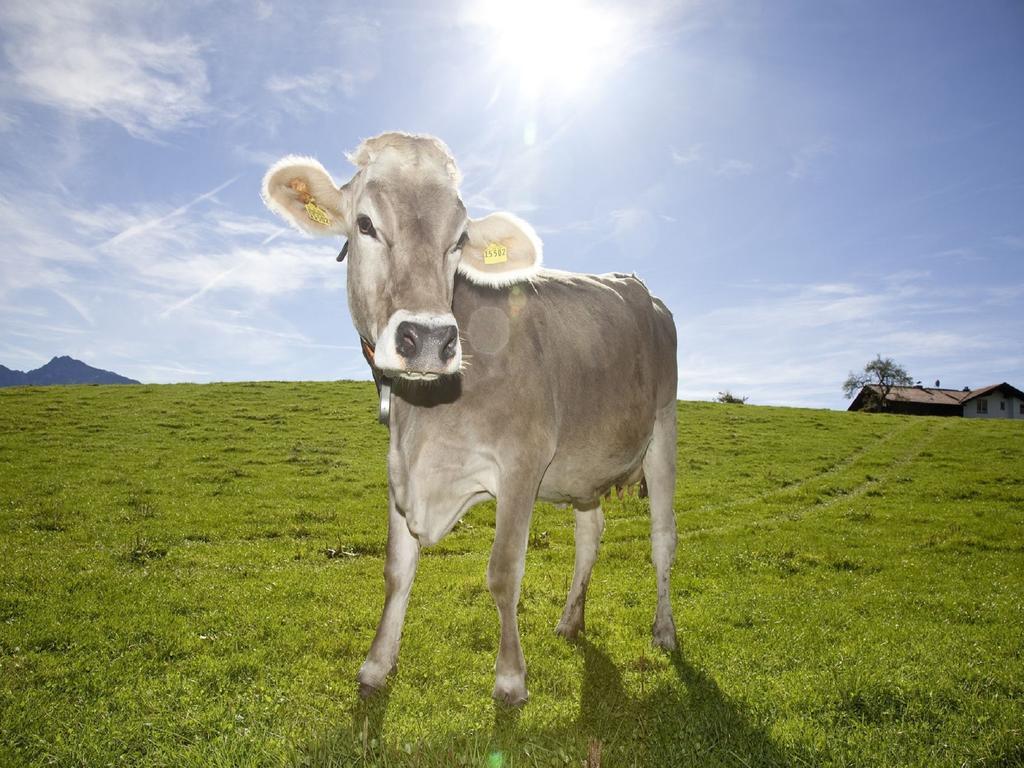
983, 406
1002, 405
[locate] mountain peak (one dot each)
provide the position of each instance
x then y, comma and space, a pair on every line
62, 369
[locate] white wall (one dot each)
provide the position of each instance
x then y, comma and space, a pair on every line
994, 411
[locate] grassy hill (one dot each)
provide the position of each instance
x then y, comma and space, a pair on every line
848, 592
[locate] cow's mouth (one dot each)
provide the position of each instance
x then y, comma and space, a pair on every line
417, 376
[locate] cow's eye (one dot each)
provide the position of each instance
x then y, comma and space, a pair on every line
365, 226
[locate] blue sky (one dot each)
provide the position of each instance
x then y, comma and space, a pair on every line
806, 184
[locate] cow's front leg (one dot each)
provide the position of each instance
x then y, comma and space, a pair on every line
399, 570
504, 575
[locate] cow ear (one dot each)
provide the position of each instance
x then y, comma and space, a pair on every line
301, 192
500, 249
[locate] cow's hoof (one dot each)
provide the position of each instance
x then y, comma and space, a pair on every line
373, 678
569, 630
665, 635
366, 690
510, 692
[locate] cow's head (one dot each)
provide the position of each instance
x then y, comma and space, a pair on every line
408, 234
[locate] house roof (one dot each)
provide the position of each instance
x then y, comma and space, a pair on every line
1006, 389
937, 396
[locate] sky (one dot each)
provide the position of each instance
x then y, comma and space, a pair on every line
805, 184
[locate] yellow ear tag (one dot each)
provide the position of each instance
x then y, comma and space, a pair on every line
495, 253
317, 214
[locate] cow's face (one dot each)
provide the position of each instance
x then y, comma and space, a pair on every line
408, 235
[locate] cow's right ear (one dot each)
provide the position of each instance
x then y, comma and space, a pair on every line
301, 192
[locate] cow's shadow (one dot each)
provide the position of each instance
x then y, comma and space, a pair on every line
691, 722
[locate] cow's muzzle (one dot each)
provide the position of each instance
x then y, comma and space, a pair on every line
419, 346
418, 342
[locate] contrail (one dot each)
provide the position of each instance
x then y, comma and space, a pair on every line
147, 225
197, 294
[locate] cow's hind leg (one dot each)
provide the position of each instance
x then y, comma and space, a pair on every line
589, 525
399, 569
660, 472
504, 576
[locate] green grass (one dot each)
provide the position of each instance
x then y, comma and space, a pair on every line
848, 592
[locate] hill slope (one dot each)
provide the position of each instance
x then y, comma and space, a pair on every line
848, 591
61, 370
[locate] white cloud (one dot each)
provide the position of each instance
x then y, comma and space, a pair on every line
91, 60
733, 168
195, 282
200, 247
793, 345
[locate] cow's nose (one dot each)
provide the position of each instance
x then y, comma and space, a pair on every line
407, 339
449, 343
415, 340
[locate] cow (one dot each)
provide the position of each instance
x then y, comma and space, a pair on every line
508, 381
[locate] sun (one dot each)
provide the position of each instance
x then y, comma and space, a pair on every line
553, 48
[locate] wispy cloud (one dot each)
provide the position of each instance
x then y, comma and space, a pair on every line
75, 304
91, 60
154, 222
626, 222
264, 10
793, 345
1013, 242
319, 88
689, 156
955, 255
159, 282
316, 89
733, 168
805, 159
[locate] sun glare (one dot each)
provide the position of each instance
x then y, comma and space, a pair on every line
552, 47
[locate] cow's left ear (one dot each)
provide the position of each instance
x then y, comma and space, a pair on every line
501, 249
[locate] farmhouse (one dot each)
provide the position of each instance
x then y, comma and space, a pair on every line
996, 401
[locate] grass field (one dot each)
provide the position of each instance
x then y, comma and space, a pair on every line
848, 592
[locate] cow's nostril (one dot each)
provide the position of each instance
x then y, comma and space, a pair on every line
450, 343
407, 342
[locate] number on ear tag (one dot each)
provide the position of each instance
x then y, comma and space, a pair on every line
495, 253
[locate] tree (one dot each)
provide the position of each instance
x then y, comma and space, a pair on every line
879, 376
729, 397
